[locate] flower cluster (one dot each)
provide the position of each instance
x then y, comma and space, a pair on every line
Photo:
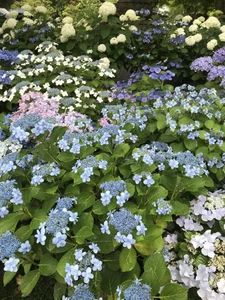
85, 264
57, 222
114, 189
124, 222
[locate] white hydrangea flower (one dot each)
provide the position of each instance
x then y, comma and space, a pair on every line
187, 19
13, 14
133, 28
222, 37
26, 7
101, 48
131, 15
197, 37
180, 31
28, 21
68, 30
41, 9
10, 23
212, 44
123, 18
104, 62
197, 22
211, 22
107, 9
190, 40
121, 38
27, 14
193, 28
67, 20
222, 28
201, 18
63, 39
113, 41
1, 30
173, 35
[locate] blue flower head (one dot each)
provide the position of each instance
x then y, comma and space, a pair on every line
9, 244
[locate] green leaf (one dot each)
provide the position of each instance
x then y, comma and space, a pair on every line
209, 124
83, 46
7, 277
157, 192
39, 216
120, 150
85, 200
69, 258
29, 281
105, 32
59, 291
23, 233
161, 121
70, 45
47, 265
173, 291
9, 222
82, 234
151, 279
127, 259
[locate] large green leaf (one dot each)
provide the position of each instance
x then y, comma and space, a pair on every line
47, 265
68, 257
29, 281
173, 291
128, 259
9, 222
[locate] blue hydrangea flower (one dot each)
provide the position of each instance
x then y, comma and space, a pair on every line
137, 291
9, 244
163, 207
82, 293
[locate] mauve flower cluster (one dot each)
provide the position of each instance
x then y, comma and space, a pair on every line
210, 65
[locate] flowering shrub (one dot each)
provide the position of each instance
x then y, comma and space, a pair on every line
200, 246
69, 80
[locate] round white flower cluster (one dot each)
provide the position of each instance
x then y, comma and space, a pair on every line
186, 19
212, 44
27, 14
104, 63
67, 31
180, 31
211, 22
130, 14
190, 40
121, 38
222, 28
101, 48
26, 7
13, 14
10, 23
133, 28
67, 20
41, 9
197, 37
196, 22
107, 9
222, 37
201, 18
193, 28
28, 21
